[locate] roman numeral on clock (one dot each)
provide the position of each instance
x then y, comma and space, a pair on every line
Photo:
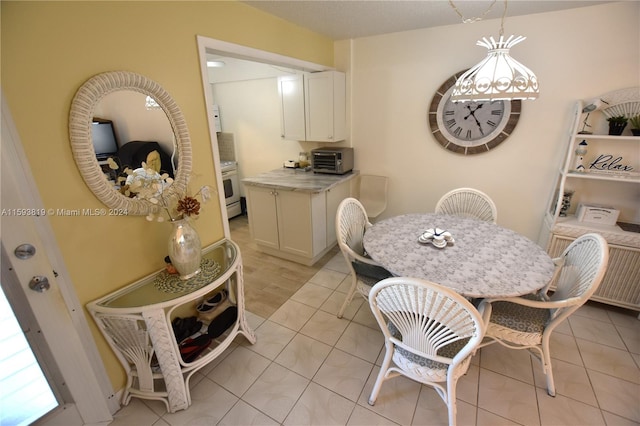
491, 123
450, 123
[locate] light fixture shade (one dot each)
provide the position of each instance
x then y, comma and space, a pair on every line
498, 76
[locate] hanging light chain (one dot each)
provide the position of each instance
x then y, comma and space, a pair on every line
479, 18
504, 14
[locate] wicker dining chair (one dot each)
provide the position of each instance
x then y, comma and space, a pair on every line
527, 322
430, 333
468, 202
351, 224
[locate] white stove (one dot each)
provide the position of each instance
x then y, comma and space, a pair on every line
231, 186
225, 166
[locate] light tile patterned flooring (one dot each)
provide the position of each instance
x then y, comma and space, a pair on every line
311, 368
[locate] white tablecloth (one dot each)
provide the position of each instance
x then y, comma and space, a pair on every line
485, 260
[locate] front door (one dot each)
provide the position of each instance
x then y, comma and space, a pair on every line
51, 312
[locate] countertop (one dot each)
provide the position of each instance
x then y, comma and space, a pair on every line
298, 180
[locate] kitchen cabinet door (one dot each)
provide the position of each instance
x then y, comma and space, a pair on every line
301, 222
325, 106
292, 120
263, 218
288, 221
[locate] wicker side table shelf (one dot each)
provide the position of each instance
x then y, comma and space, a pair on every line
136, 322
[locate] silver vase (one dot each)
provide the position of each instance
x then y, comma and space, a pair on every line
185, 250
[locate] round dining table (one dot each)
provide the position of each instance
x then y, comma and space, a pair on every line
482, 260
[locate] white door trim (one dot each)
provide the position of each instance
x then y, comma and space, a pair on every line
58, 311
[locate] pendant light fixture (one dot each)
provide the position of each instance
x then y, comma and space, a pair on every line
498, 76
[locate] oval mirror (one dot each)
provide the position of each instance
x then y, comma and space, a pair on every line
85, 109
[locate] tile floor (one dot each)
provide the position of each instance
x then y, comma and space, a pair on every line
311, 368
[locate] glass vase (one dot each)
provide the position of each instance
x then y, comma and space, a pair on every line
185, 251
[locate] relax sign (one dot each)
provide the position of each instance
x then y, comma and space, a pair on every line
606, 162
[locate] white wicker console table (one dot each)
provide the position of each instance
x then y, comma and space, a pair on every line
136, 322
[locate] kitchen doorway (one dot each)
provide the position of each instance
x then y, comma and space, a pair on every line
206, 48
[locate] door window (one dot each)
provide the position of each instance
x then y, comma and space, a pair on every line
25, 394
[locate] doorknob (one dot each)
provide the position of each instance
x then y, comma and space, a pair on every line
39, 283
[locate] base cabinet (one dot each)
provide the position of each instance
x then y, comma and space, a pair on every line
263, 216
295, 225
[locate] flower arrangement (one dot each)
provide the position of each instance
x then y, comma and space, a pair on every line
148, 184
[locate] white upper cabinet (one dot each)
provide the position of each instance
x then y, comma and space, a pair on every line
291, 91
313, 106
325, 106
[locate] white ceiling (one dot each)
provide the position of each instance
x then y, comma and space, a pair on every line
344, 19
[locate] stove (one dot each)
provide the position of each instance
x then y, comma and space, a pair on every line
231, 186
226, 166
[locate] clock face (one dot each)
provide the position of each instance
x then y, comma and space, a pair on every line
470, 127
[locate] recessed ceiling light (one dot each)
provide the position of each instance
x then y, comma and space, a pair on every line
215, 64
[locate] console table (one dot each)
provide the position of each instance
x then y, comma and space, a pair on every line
136, 322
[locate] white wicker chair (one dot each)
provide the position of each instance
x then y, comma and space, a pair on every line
373, 194
468, 202
527, 322
351, 224
431, 332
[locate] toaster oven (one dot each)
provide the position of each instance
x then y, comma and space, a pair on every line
337, 161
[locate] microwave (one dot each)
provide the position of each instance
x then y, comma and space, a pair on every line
337, 161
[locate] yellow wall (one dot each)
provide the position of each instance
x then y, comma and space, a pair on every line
50, 48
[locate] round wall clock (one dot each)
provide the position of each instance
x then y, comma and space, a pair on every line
470, 127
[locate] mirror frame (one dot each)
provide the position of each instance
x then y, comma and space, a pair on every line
80, 119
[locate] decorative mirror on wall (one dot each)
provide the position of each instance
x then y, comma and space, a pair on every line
82, 117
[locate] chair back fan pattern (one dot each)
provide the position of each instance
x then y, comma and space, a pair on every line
427, 320
351, 224
528, 322
468, 202
430, 333
580, 274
